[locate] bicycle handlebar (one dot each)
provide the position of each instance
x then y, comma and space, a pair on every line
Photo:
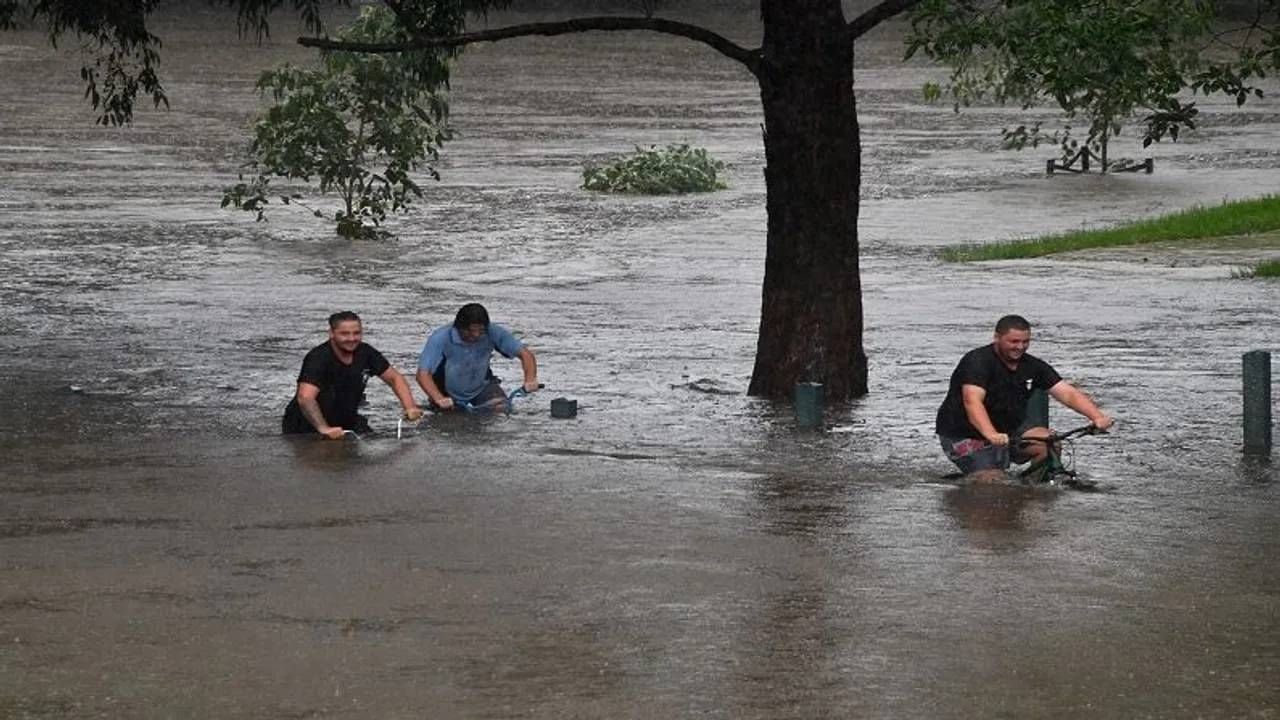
1058, 437
521, 392
404, 420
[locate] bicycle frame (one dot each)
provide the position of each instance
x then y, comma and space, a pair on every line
508, 403
1048, 469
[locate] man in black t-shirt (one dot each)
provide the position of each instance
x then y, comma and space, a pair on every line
987, 403
332, 380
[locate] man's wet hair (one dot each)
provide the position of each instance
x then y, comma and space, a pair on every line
1011, 322
471, 314
338, 318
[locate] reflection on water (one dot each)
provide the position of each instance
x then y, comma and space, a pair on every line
800, 505
1257, 468
677, 548
994, 514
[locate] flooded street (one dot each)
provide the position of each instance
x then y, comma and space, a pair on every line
679, 549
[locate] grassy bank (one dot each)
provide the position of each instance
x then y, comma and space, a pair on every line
1232, 218
1268, 269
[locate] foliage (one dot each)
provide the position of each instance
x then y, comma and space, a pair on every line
674, 169
1101, 60
1251, 47
1268, 269
123, 55
1229, 219
357, 126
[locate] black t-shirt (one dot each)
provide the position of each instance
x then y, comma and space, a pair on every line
341, 386
1007, 391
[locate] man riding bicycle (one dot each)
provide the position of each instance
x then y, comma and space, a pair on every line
982, 423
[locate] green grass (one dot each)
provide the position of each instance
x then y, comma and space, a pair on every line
674, 169
1267, 269
1232, 218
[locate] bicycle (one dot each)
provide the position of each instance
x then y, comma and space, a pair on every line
402, 422
1052, 470
508, 402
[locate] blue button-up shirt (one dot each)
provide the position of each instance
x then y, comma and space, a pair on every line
466, 365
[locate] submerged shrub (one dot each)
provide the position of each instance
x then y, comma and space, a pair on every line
1267, 269
673, 169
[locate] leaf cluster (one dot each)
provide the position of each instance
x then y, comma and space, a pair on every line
1102, 60
124, 56
1252, 48
358, 125
122, 53
673, 169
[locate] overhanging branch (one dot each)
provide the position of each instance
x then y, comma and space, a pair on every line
723, 45
878, 14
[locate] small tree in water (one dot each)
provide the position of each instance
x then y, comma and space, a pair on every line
1102, 61
357, 126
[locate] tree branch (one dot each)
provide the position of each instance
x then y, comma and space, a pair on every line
750, 58
878, 14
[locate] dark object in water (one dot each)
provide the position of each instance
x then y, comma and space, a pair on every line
563, 407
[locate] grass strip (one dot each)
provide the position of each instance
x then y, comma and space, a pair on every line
1268, 269
1231, 218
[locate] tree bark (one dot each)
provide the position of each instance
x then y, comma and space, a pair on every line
811, 309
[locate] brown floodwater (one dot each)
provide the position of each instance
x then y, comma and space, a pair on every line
678, 549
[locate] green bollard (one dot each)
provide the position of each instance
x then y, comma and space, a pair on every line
808, 404
1257, 401
1038, 409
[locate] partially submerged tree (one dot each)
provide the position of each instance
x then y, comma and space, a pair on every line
358, 125
1106, 61
1100, 60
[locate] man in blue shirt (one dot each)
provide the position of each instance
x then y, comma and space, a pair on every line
454, 366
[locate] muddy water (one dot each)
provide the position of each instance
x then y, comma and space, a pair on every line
678, 549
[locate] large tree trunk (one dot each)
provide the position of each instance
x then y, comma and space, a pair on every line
811, 314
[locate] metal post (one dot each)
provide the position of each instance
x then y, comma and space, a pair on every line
808, 404
1038, 409
1257, 401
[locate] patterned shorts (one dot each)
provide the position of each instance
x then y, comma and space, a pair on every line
974, 454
